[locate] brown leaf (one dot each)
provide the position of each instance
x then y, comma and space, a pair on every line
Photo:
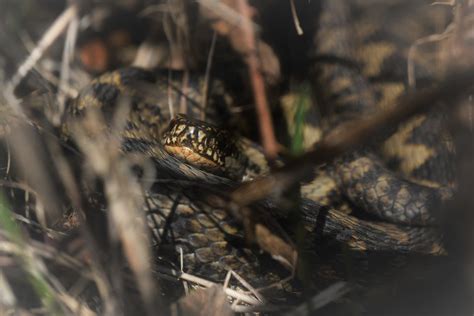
203, 302
94, 55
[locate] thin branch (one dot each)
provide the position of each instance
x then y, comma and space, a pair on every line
267, 133
411, 62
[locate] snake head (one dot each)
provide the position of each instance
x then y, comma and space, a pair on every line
205, 146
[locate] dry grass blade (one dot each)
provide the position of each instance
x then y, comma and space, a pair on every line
68, 55
39, 251
244, 300
33, 157
296, 21
34, 163
124, 197
46, 252
246, 285
207, 75
7, 299
353, 134
76, 307
56, 29
44, 284
323, 298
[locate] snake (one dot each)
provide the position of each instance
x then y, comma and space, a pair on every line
207, 236
389, 188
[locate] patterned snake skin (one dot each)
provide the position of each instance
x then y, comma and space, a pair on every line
181, 215
390, 189
361, 54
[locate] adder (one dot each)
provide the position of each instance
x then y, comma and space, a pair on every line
376, 199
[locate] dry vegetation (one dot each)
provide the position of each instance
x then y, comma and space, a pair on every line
52, 246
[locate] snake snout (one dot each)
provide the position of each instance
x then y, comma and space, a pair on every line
205, 146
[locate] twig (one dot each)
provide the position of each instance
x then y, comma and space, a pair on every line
247, 285
174, 274
207, 75
414, 49
267, 134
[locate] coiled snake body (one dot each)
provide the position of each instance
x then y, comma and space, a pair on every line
204, 156
207, 235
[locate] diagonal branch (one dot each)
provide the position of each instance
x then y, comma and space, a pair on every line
352, 134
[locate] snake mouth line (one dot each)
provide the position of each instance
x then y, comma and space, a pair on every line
192, 157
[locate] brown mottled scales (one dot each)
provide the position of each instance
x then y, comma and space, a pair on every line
361, 57
198, 150
209, 239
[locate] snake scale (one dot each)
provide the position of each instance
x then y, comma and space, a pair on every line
378, 198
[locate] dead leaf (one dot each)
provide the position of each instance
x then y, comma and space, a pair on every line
203, 302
